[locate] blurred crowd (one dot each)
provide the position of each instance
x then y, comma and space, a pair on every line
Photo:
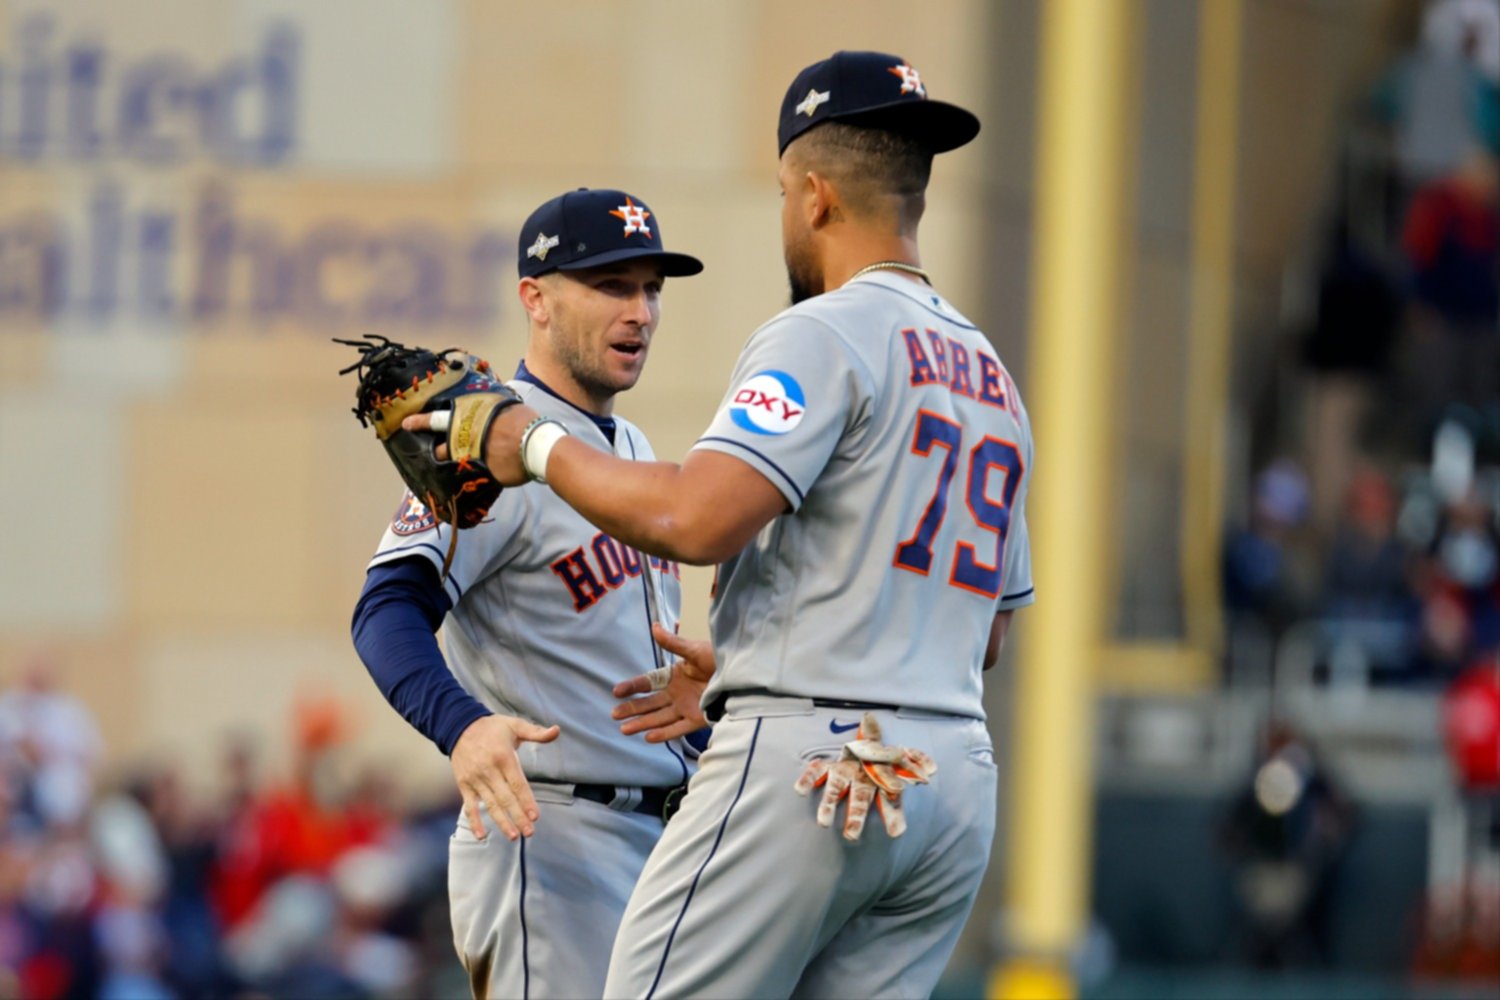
1369, 553
1373, 517
1404, 589
127, 886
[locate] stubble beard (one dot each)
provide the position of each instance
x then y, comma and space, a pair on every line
801, 278
589, 373
800, 291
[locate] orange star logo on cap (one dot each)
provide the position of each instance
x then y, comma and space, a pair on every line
635, 217
911, 80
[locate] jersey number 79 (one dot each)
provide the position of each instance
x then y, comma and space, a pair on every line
915, 554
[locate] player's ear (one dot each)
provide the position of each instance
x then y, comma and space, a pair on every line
822, 202
533, 299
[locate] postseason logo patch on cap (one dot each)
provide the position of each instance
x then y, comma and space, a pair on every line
810, 103
768, 402
543, 244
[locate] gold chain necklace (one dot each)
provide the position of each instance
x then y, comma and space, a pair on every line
892, 265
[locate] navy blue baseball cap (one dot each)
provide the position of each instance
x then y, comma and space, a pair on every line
872, 90
588, 228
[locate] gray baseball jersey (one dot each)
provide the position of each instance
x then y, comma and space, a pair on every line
548, 615
901, 446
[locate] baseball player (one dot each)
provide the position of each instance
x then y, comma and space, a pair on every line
545, 614
863, 489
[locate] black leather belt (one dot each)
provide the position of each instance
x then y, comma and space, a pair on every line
715, 709
863, 706
659, 802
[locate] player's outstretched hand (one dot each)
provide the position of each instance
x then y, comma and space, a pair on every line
502, 449
867, 773
670, 699
489, 773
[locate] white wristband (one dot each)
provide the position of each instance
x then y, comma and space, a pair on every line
536, 445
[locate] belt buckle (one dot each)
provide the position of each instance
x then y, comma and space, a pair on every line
672, 802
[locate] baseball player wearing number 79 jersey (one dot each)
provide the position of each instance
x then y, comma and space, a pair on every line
863, 488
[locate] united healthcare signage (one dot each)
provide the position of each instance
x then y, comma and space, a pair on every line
128, 169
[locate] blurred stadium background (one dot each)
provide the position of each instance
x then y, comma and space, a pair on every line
1241, 256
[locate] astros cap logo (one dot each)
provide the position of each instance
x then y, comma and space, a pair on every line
635, 217
412, 516
911, 80
768, 402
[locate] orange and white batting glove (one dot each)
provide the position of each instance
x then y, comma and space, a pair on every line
866, 772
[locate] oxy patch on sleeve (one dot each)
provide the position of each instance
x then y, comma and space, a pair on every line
769, 402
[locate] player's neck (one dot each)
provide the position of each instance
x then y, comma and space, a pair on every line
843, 262
555, 376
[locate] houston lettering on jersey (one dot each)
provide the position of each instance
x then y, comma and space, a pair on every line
946, 362
592, 571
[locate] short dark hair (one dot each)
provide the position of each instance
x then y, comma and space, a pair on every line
877, 171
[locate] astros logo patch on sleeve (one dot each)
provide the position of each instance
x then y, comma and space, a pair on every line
412, 516
768, 402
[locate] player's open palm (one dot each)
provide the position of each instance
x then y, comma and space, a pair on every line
670, 698
489, 774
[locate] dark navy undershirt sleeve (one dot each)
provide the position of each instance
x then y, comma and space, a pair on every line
395, 633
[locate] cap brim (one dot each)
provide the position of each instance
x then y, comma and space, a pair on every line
673, 265
936, 124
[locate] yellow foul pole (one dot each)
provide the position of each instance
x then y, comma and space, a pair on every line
1080, 180
1209, 321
